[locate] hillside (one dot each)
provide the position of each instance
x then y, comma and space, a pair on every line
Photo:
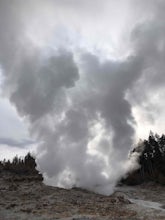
29, 198
24, 196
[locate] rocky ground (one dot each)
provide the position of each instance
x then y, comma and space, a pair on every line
23, 198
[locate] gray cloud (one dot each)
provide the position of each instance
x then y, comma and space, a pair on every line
15, 143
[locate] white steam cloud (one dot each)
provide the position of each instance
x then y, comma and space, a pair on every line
80, 105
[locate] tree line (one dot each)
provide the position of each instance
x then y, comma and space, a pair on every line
26, 165
151, 160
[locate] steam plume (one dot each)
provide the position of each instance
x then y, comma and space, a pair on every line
79, 106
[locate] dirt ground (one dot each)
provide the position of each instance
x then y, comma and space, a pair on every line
27, 199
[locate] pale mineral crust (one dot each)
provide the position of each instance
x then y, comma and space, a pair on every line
27, 197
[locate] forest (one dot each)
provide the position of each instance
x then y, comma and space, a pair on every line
20, 166
151, 159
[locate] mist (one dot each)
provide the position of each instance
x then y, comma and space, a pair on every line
77, 93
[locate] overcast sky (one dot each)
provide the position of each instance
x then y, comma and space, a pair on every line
81, 81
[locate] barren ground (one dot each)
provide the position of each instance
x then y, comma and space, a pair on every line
24, 199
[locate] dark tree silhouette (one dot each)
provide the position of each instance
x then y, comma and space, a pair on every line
26, 165
151, 160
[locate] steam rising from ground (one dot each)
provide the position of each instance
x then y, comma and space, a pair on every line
80, 105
